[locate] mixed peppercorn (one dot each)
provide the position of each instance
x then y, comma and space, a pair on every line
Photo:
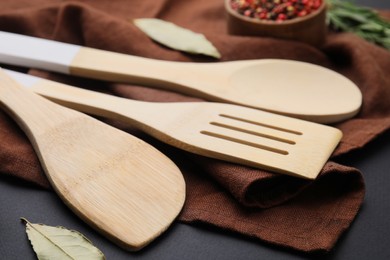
275, 10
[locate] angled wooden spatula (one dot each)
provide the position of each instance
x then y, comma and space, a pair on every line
223, 131
117, 183
292, 88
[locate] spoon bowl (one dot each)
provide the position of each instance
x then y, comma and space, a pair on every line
295, 89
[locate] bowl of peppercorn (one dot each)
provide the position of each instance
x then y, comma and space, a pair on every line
297, 20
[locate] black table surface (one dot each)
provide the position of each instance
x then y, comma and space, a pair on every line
368, 237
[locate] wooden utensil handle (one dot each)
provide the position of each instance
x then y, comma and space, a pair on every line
15, 100
177, 76
87, 101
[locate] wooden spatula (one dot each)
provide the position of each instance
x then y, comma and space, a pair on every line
285, 87
227, 132
117, 183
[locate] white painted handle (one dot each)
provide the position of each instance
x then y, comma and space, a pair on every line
26, 51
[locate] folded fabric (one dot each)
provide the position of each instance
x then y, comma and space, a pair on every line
294, 213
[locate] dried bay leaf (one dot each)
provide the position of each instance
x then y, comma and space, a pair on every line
176, 37
60, 243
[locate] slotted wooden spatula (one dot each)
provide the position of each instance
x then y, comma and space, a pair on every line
285, 87
117, 183
227, 132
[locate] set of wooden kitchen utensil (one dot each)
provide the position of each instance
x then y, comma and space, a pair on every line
123, 186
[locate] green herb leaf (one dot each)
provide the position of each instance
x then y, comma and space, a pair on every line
60, 243
176, 37
346, 14
372, 27
363, 21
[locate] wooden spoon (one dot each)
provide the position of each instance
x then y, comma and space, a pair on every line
115, 182
286, 87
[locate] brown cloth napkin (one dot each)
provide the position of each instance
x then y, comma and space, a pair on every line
303, 215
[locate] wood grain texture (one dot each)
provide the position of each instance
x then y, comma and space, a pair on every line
120, 185
223, 131
292, 88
